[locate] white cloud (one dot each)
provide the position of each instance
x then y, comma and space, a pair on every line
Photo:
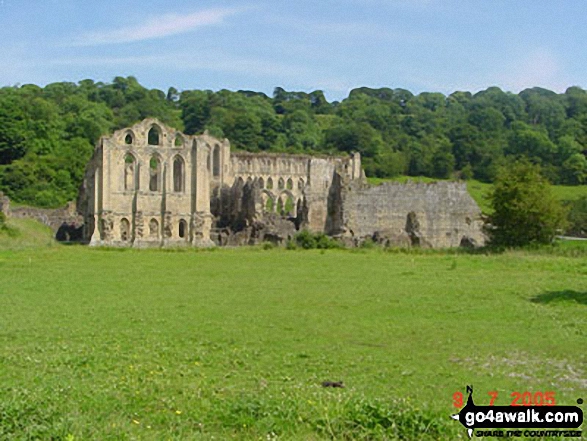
539, 68
352, 30
158, 27
535, 68
279, 73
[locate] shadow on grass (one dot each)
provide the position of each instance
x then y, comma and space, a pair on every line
566, 295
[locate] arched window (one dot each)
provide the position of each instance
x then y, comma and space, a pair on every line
216, 162
268, 203
281, 184
301, 184
178, 174
269, 184
280, 206
131, 177
154, 174
154, 137
124, 230
153, 228
289, 206
128, 139
261, 183
289, 184
183, 229
178, 141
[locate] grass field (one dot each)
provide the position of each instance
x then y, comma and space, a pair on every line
234, 343
480, 190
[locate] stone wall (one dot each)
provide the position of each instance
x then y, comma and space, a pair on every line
438, 215
303, 180
65, 222
4, 204
151, 185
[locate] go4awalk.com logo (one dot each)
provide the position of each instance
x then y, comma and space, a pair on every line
539, 417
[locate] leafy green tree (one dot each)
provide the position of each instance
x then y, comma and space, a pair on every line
531, 143
301, 131
574, 170
13, 126
577, 217
525, 212
354, 137
195, 110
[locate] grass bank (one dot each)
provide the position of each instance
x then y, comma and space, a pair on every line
103, 344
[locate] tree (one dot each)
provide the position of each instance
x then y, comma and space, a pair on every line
577, 217
574, 170
525, 211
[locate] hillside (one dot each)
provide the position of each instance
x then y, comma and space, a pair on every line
47, 134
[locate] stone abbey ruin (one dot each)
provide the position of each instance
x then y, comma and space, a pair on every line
151, 185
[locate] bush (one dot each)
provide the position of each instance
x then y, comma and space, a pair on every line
5, 228
310, 241
525, 212
577, 217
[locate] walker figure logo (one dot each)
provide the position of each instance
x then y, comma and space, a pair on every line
474, 417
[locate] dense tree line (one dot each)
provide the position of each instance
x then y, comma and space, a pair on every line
47, 134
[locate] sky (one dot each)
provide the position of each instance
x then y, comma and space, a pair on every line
303, 45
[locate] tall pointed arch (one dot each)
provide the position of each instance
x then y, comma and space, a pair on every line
155, 178
216, 161
178, 174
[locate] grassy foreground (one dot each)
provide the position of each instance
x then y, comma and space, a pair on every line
234, 343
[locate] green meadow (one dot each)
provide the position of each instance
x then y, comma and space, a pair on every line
235, 343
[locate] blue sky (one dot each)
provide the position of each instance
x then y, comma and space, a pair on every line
335, 46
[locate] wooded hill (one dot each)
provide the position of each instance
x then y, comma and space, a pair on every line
47, 135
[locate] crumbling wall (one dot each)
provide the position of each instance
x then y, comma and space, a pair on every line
65, 222
437, 215
4, 204
242, 220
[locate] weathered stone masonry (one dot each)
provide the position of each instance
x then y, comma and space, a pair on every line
151, 185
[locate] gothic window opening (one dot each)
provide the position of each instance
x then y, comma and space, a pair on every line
281, 184
130, 173
289, 184
261, 183
182, 229
128, 140
269, 184
178, 141
154, 136
216, 162
154, 174
289, 206
178, 175
269, 205
124, 230
153, 228
280, 206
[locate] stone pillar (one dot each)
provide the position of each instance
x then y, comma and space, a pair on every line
96, 236
201, 225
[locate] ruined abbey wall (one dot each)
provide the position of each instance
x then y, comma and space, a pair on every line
151, 185
301, 179
438, 215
